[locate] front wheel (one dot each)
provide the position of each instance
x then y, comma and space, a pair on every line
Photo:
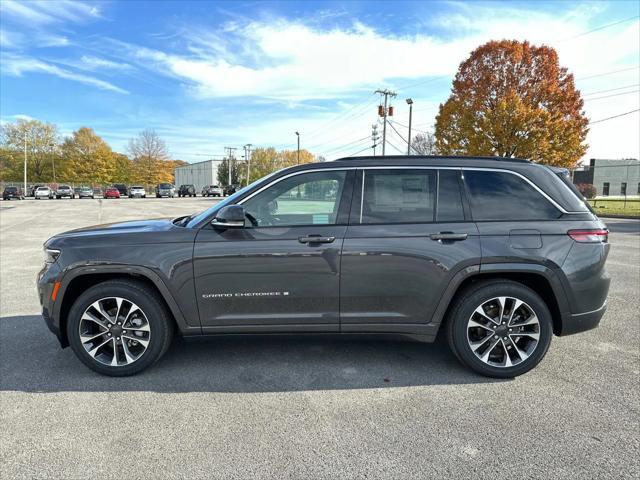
119, 327
499, 328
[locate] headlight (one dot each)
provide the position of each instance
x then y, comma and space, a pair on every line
51, 255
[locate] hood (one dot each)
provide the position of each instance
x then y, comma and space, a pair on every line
121, 228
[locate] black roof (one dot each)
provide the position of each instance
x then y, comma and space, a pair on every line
429, 158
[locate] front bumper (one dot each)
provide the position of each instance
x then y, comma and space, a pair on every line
45, 283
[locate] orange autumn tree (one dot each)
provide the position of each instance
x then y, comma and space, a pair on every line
513, 99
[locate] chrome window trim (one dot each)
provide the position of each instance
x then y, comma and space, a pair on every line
411, 167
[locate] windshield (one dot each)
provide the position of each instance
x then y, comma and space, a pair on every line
227, 201
165, 185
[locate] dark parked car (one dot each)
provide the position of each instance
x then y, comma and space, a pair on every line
498, 254
85, 192
187, 191
231, 189
12, 192
123, 190
64, 191
165, 190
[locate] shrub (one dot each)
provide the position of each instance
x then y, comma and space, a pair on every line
587, 190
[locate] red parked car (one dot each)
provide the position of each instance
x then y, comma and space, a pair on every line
111, 192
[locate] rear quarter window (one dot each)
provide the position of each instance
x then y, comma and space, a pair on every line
496, 196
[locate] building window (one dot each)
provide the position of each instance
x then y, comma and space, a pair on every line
605, 189
638, 188
623, 188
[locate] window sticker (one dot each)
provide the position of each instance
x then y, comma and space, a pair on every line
320, 218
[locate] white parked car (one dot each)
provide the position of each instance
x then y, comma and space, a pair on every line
43, 192
137, 191
65, 191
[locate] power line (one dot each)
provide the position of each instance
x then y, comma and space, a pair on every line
611, 72
610, 89
345, 145
359, 151
406, 126
602, 27
612, 95
615, 116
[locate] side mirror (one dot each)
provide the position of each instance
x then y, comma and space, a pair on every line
231, 216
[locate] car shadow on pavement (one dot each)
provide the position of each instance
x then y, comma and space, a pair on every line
31, 360
623, 226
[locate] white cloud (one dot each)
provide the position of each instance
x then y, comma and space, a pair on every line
88, 62
293, 62
49, 11
17, 66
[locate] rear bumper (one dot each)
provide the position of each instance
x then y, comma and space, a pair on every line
581, 322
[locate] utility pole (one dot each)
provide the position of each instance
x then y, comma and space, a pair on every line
384, 112
25, 164
374, 137
230, 151
298, 135
410, 103
247, 158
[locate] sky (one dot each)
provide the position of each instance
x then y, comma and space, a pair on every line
208, 75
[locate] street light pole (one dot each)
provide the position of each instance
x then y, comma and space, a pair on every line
298, 135
410, 103
25, 164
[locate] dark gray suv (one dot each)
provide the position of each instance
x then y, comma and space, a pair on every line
498, 254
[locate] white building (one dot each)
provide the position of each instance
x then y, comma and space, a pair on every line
198, 174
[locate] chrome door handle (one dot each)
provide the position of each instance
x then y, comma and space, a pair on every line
448, 236
315, 239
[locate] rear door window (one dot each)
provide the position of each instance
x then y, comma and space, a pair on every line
496, 196
395, 196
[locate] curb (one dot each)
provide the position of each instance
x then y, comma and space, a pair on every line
627, 217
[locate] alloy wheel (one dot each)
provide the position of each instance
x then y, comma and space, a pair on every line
114, 331
503, 331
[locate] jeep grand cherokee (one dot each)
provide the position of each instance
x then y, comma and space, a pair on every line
499, 254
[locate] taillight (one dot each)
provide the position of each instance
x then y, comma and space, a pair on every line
595, 235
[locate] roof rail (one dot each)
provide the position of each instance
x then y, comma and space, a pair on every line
435, 157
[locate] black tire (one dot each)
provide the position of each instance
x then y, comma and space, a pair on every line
160, 322
462, 309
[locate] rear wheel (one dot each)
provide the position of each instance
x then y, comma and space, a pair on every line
499, 328
119, 328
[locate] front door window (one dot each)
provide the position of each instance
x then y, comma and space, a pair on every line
305, 199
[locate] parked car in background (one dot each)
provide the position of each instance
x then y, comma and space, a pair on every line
187, 191
64, 191
165, 190
97, 192
497, 254
122, 189
43, 192
212, 191
85, 192
231, 189
12, 192
112, 192
137, 191
32, 190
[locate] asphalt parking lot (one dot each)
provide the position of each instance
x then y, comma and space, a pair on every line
307, 407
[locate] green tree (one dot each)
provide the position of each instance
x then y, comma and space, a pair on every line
238, 172
42, 143
89, 159
510, 98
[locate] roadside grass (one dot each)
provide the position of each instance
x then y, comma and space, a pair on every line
616, 207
